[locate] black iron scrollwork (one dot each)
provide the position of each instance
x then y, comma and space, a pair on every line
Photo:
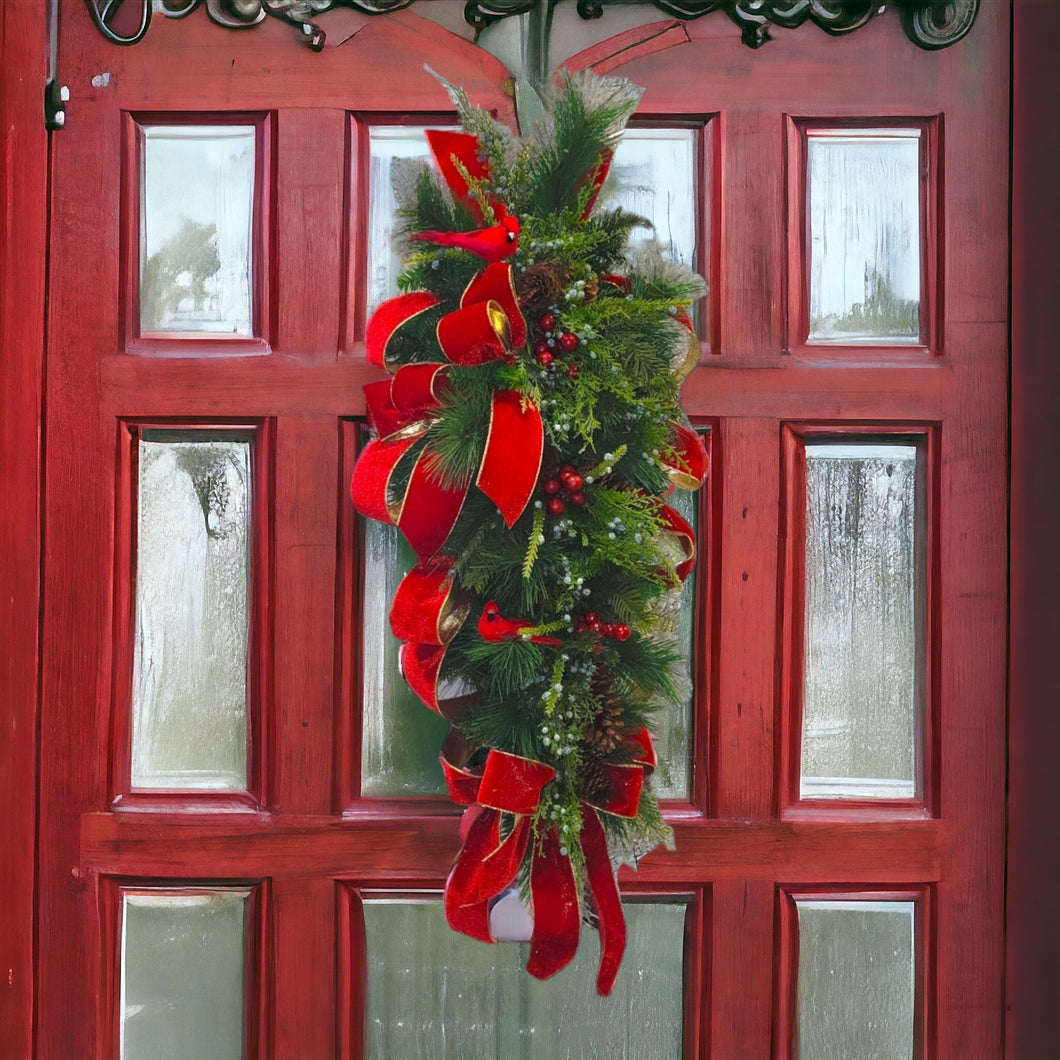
113, 19
937, 23
929, 24
754, 17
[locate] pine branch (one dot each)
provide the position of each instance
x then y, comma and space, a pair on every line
537, 539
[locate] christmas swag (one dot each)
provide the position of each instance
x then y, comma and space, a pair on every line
524, 443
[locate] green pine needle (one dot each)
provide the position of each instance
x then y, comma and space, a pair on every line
537, 539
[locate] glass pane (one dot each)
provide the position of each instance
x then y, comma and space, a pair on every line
672, 725
434, 994
864, 230
856, 984
653, 174
196, 217
864, 607
400, 738
182, 958
388, 146
189, 697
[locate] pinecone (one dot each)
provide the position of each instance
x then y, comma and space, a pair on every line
592, 288
604, 732
593, 782
540, 286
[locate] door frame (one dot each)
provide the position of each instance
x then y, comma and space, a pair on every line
1033, 928
23, 285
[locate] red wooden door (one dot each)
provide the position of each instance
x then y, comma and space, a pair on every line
244, 814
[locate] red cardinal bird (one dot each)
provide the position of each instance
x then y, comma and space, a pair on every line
494, 626
494, 243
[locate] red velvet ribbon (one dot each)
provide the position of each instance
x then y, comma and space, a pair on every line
449, 148
475, 334
688, 467
385, 321
511, 459
599, 175
400, 410
489, 862
420, 666
678, 527
427, 607
495, 283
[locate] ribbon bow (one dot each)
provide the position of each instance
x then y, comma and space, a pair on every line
503, 798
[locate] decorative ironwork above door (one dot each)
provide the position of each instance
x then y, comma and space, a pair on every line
929, 24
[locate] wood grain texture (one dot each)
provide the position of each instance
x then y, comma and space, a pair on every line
742, 786
309, 199
303, 650
302, 966
23, 228
1034, 673
742, 967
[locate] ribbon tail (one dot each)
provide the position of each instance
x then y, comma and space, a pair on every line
486, 865
449, 147
611, 921
511, 460
466, 916
600, 171
557, 918
370, 483
688, 468
677, 529
428, 606
498, 868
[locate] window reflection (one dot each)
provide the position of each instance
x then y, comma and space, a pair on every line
863, 621
196, 236
864, 235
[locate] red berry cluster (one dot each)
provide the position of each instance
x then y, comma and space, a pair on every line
549, 341
591, 623
566, 484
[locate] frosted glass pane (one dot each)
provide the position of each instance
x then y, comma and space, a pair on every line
192, 612
400, 737
434, 994
864, 231
856, 985
196, 217
182, 958
672, 724
864, 606
653, 174
388, 145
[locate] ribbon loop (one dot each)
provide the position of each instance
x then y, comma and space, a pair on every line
688, 469
427, 608
388, 318
512, 783
475, 334
494, 283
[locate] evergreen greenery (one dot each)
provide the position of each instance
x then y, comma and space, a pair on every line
583, 563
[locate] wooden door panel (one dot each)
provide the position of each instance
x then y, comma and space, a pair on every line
314, 845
